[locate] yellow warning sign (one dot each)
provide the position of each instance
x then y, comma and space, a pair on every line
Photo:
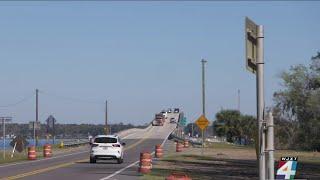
202, 122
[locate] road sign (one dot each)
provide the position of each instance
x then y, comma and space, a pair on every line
51, 121
251, 34
183, 121
35, 124
202, 122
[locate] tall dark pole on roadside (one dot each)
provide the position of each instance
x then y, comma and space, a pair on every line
203, 99
37, 117
239, 100
106, 120
203, 88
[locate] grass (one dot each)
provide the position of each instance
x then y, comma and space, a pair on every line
227, 146
23, 156
226, 161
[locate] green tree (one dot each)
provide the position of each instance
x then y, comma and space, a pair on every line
235, 126
297, 107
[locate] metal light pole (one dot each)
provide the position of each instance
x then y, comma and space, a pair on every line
260, 101
37, 116
203, 98
203, 88
239, 100
106, 118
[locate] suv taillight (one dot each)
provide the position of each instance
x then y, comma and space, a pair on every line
94, 145
116, 145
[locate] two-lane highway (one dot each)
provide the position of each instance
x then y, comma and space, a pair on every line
77, 166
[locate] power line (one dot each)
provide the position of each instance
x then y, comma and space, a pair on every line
18, 102
70, 98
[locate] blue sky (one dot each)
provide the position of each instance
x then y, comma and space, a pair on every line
143, 56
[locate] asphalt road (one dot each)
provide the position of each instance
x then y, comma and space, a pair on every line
76, 165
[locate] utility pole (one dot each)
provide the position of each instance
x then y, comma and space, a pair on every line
37, 118
106, 120
203, 88
203, 99
260, 101
239, 100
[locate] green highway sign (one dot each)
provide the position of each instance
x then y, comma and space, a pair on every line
183, 121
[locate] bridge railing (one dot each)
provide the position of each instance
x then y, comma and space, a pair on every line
176, 136
75, 142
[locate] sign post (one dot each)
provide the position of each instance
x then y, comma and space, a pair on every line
51, 121
255, 63
4, 120
34, 125
202, 123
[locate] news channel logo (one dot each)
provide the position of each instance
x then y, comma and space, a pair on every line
287, 168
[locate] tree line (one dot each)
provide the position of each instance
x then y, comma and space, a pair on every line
67, 130
296, 112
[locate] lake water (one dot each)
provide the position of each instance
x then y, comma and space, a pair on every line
41, 142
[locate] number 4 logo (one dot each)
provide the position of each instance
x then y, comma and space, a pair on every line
287, 170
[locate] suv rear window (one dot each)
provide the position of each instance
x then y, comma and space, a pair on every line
105, 140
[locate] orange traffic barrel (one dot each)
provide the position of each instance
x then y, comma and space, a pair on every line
32, 153
178, 176
145, 162
159, 151
186, 143
47, 151
179, 147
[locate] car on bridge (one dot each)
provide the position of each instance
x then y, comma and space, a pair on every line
165, 114
106, 147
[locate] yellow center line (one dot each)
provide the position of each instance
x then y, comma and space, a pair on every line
38, 171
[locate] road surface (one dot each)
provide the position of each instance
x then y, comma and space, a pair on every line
77, 166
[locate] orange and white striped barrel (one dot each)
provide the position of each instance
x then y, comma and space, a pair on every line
186, 143
159, 151
47, 151
145, 162
32, 155
179, 147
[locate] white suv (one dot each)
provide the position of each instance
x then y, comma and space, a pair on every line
106, 147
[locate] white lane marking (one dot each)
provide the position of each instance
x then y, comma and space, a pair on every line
119, 171
25, 162
130, 165
129, 135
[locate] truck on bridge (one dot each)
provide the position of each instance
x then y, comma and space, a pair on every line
158, 120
